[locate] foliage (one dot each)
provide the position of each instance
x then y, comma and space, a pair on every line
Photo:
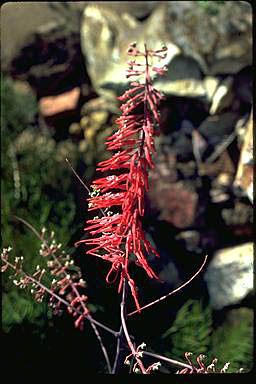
35, 185
190, 330
35, 181
211, 7
193, 330
233, 340
15, 116
19, 307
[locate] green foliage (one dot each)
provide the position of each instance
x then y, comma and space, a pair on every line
36, 187
18, 108
211, 7
18, 306
193, 331
233, 341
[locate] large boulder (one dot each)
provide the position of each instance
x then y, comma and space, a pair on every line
41, 45
199, 43
229, 276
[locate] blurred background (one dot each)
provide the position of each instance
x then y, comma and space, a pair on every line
62, 66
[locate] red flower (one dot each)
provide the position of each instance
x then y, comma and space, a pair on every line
116, 236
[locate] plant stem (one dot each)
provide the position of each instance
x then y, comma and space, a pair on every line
172, 292
104, 351
171, 361
92, 322
66, 303
118, 351
130, 344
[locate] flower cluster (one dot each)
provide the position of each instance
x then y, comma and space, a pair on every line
202, 368
21, 279
117, 236
66, 283
139, 354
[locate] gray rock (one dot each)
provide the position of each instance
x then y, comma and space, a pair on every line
21, 20
105, 35
244, 175
243, 85
229, 276
211, 84
223, 96
18, 22
218, 127
138, 9
241, 215
220, 42
184, 78
50, 61
198, 43
191, 239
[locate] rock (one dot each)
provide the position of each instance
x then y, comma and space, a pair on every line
47, 53
229, 276
176, 202
100, 104
191, 239
218, 127
138, 9
196, 42
187, 169
199, 146
92, 123
169, 274
210, 84
94, 128
233, 46
177, 136
185, 88
243, 85
184, 78
223, 165
240, 214
244, 175
220, 42
52, 105
75, 129
222, 97
18, 22
105, 35
223, 180
220, 187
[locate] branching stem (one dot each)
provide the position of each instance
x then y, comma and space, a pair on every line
130, 344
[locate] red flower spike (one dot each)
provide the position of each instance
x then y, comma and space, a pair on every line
116, 236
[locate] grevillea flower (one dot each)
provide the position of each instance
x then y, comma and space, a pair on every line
118, 236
